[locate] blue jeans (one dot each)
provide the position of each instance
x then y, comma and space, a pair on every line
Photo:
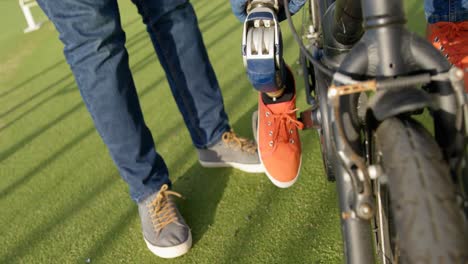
446, 10
94, 47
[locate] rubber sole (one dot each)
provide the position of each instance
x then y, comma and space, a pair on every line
250, 168
171, 252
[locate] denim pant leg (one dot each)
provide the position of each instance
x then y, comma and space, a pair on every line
446, 10
94, 48
173, 29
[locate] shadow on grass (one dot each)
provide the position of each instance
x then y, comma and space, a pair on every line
67, 147
36, 236
114, 232
17, 146
215, 180
214, 16
30, 79
310, 241
202, 189
50, 68
319, 233
135, 39
222, 35
70, 83
40, 232
21, 180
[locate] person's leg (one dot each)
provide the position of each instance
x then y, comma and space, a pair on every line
94, 48
279, 144
181, 51
447, 30
446, 10
173, 29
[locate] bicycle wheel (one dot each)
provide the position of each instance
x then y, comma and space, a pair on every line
428, 224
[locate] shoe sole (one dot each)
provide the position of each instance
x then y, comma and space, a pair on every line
281, 184
250, 168
277, 183
171, 252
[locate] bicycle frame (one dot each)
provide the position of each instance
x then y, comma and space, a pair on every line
367, 39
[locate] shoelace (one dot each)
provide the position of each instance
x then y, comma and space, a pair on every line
454, 50
161, 209
284, 125
232, 140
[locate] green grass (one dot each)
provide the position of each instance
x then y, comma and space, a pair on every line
62, 200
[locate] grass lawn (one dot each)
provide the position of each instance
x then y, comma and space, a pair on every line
62, 200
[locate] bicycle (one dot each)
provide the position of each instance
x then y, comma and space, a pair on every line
402, 191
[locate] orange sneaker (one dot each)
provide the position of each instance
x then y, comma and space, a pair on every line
452, 40
279, 146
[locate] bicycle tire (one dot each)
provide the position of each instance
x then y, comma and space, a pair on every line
430, 226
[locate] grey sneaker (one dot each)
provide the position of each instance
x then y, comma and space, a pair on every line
165, 232
232, 151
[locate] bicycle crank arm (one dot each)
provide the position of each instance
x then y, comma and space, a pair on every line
311, 118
